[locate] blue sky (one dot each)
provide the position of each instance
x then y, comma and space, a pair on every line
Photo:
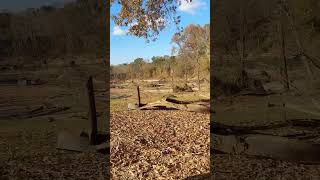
125, 48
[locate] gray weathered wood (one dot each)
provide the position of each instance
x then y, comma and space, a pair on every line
274, 147
71, 142
92, 112
138, 93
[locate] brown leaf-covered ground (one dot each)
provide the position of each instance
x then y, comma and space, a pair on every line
159, 144
232, 167
250, 111
32, 155
28, 145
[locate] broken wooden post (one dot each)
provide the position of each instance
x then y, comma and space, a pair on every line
138, 92
92, 112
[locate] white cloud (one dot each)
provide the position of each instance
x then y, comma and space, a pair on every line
117, 31
132, 24
159, 22
191, 7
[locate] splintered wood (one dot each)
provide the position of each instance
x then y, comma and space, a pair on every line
159, 144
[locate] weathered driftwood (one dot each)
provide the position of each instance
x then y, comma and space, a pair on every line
223, 129
255, 93
302, 109
172, 104
92, 112
274, 147
165, 105
45, 112
16, 110
29, 112
172, 99
255, 141
71, 142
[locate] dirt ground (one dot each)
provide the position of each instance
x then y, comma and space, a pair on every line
28, 134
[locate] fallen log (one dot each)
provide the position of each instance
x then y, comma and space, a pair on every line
223, 129
29, 112
256, 142
19, 111
274, 147
176, 101
45, 112
8, 111
165, 105
162, 105
302, 109
253, 93
170, 103
199, 107
71, 142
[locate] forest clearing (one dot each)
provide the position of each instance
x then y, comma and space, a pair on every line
160, 100
157, 143
160, 111
45, 66
33, 116
237, 81
266, 91
264, 130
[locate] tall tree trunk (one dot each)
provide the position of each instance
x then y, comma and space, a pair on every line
172, 80
198, 63
299, 42
310, 75
107, 68
185, 73
283, 55
243, 45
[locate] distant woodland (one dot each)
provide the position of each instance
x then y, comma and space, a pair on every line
190, 59
78, 28
272, 34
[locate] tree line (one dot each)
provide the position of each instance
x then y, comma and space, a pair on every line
249, 28
77, 28
190, 58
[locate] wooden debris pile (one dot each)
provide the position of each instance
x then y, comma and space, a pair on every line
184, 88
81, 142
29, 111
171, 103
295, 140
